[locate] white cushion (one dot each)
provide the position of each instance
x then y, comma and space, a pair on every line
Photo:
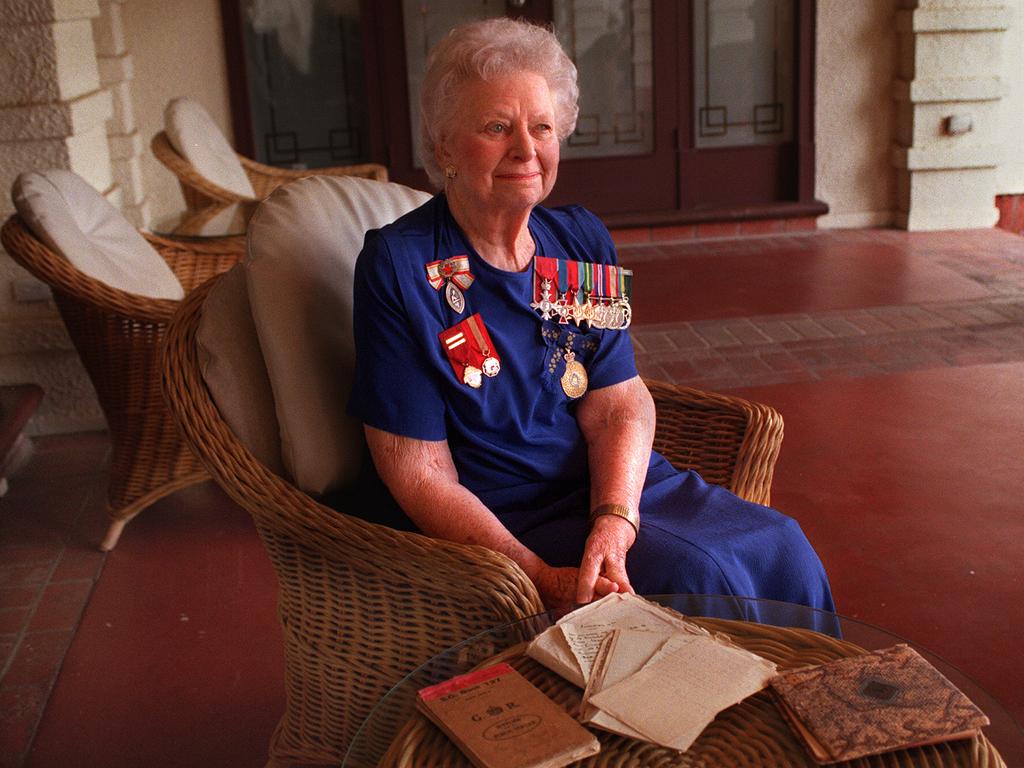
233, 369
303, 244
76, 221
195, 136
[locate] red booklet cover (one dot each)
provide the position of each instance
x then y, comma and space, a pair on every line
499, 719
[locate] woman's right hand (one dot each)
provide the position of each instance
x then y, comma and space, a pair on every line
557, 586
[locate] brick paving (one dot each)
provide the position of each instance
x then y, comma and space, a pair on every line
740, 352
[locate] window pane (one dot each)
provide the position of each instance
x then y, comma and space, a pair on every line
743, 72
425, 24
306, 83
610, 42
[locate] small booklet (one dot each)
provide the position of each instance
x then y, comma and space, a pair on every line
499, 719
878, 702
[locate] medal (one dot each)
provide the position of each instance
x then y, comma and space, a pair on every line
574, 380
491, 366
455, 298
471, 351
454, 274
582, 292
471, 376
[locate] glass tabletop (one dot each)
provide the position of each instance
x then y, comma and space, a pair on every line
398, 705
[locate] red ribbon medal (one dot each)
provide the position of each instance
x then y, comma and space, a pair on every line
471, 351
455, 274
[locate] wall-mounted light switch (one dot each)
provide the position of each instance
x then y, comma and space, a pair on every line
958, 124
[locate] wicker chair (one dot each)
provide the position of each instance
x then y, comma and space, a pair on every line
362, 605
118, 335
200, 192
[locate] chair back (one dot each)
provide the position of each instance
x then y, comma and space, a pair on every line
79, 224
196, 137
303, 244
361, 605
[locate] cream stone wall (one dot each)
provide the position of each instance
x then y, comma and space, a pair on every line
53, 114
1010, 178
856, 52
84, 84
178, 49
889, 73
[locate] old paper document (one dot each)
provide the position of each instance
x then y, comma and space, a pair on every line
646, 671
681, 689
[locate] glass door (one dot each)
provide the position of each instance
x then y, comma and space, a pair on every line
305, 83
743, 116
689, 109
615, 146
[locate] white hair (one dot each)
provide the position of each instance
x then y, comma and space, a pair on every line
485, 50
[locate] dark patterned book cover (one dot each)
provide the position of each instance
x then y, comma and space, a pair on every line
878, 702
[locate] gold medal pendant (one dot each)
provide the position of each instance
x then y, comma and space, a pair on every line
574, 380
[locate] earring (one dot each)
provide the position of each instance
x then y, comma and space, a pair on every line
450, 172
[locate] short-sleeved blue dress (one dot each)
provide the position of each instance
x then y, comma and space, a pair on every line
515, 441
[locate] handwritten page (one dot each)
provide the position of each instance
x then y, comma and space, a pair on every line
646, 671
569, 647
624, 653
682, 688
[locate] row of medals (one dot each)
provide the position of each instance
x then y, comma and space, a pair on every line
573, 381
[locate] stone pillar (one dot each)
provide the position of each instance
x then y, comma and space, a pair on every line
53, 114
948, 92
123, 138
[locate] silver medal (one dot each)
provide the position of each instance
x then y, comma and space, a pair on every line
454, 297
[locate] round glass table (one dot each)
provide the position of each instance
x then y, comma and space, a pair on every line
752, 733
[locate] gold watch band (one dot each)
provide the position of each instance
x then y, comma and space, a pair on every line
630, 515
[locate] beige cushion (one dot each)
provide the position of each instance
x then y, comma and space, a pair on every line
195, 136
76, 221
232, 366
303, 244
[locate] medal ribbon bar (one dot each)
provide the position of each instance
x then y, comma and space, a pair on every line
470, 351
582, 292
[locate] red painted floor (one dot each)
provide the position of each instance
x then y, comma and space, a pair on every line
896, 359
791, 274
910, 487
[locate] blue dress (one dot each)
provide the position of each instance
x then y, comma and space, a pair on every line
515, 441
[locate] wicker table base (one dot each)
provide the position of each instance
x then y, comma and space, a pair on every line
752, 733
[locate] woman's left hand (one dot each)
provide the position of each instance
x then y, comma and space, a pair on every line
605, 556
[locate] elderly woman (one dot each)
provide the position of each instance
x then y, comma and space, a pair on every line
496, 379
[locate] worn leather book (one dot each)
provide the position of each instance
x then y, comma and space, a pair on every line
878, 702
499, 719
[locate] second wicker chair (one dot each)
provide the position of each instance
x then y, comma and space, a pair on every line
117, 330
191, 128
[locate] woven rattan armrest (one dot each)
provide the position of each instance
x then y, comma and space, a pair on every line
194, 261
730, 441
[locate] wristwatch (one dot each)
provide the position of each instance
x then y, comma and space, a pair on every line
629, 514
